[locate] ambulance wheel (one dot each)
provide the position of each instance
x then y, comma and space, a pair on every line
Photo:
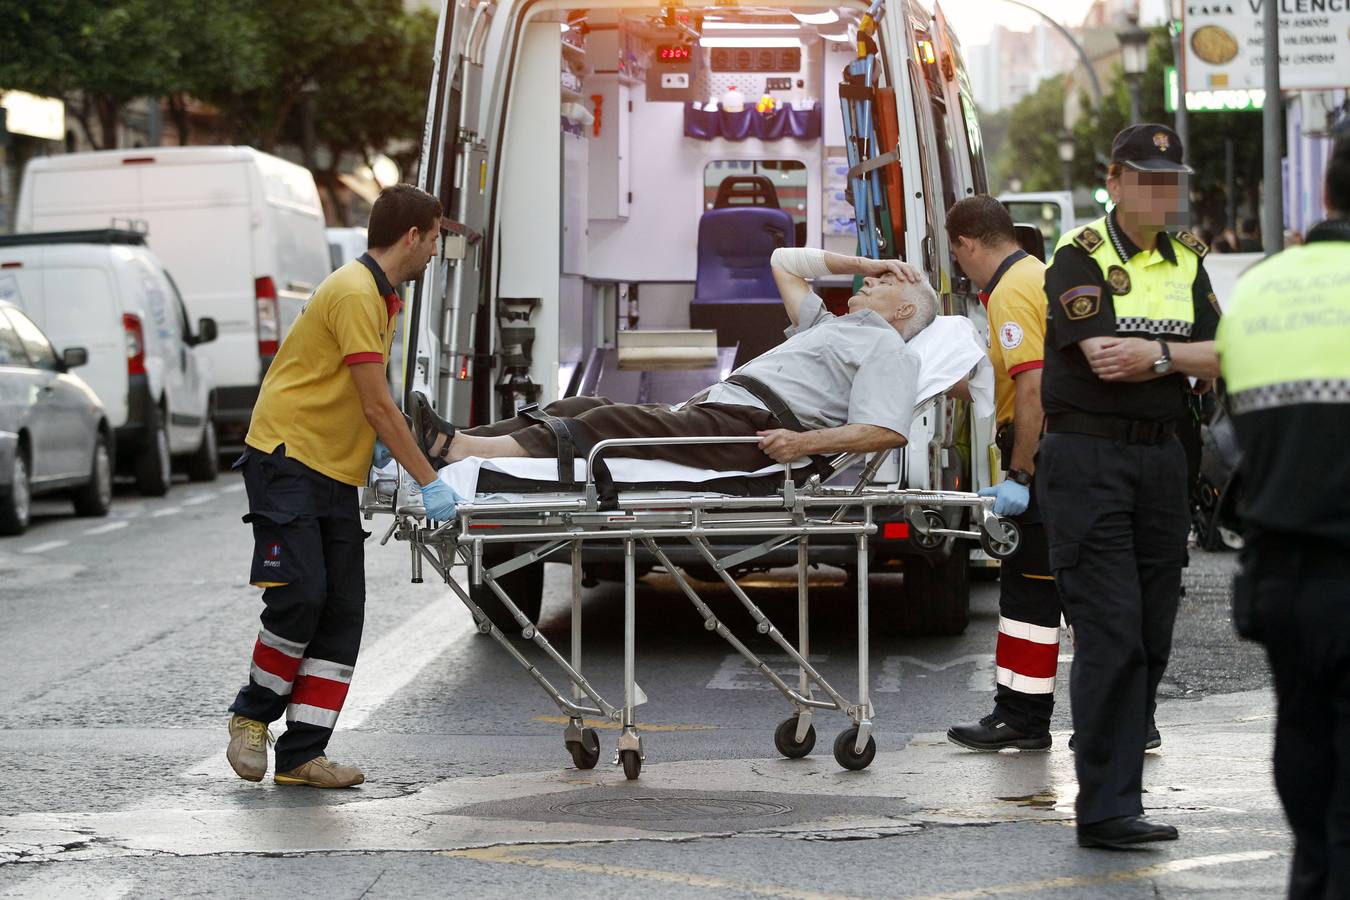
524, 586
935, 595
585, 752
632, 764
785, 739
1006, 548
847, 756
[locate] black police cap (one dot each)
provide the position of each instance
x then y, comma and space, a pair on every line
1149, 148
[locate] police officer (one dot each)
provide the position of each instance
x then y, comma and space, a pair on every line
1130, 315
1286, 366
1026, 655
310, 444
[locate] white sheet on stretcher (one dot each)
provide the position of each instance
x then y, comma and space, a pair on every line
948, 350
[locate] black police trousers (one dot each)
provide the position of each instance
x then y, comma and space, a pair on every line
1026, 656
1116, 515
1293, 595
309, 558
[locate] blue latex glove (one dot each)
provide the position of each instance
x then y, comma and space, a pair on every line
1010, 498
439, 499
381, 457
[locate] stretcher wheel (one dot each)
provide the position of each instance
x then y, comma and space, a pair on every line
632, 764
849, 758
586, 752
1002, 549
785, 739
929, 541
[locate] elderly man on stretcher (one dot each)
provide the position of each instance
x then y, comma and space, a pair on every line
837, 384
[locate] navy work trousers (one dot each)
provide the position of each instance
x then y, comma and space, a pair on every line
1116, 516
1297, 594
309, 559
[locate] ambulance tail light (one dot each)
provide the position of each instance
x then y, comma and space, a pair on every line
269, 316
135, 338
895, 531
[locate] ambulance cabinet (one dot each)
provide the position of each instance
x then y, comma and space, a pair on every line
610, 157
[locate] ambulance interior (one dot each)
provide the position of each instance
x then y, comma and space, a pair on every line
689, 144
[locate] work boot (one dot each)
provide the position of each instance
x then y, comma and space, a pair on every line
433, 434
321, 772
992, 734
1124, 832
1152, 742
247, 751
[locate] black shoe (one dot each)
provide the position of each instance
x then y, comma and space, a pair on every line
1153, 742
1124, 832
991, 734
433, 434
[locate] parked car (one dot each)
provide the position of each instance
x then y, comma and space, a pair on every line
345, 245
241, 231
54, 434
106, 292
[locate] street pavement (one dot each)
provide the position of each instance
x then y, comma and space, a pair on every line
125, 639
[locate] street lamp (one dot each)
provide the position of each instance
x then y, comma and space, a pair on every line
1134, 60
1067, 149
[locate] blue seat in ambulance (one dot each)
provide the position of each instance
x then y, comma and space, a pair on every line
735, 292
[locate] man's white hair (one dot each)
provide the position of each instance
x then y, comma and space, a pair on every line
925, 300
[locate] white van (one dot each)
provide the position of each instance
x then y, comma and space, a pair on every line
598, 175
242, 232
105, 292
345, 245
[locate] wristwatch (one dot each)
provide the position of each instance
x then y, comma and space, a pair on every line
1163, 365
1021, 476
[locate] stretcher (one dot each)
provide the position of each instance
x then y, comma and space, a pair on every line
556, 525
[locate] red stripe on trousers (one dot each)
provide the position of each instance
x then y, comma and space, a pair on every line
273, 661
1026, 657
322, 692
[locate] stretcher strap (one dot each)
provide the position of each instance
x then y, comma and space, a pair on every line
568, 441
874, 163
766, 395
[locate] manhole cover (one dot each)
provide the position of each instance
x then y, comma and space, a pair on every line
668, 808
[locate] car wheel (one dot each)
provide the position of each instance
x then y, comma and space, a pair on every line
94, 497
16, 505
205, 463
525, 587
154, 464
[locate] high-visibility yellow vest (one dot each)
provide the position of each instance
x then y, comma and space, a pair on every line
1285, 337
1151, 295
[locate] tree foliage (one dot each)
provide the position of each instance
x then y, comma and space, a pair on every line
1030, 153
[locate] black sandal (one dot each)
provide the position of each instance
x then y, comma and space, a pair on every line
433, 434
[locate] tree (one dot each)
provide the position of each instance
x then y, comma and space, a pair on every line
1030, 152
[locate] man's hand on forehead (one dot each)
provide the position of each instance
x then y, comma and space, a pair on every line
898, 270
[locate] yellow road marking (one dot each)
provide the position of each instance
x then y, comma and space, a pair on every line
511, 854
1070, 881
607, 725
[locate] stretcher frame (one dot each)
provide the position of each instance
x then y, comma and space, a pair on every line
794, 514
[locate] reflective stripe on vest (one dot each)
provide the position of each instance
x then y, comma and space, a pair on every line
1157, 300
1285, 337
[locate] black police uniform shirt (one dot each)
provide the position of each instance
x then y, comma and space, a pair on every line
1069, 384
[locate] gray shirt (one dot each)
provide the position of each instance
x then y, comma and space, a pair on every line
836, 370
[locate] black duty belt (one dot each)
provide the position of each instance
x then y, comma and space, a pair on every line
772, 402
1117, 428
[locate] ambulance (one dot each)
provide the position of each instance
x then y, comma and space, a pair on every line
615, 176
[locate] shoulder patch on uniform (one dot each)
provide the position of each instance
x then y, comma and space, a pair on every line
1193, 243
1214, 302
1010, 335
1119, 280
1082, 302
1088, 239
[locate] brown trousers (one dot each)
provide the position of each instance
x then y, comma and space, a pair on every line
596, 419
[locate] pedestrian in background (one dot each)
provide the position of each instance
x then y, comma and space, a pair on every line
1249, 240
1012, 288
1285, 348
310, 442
1131, 314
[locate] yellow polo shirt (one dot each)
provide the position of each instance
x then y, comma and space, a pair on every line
1016, 309
308, 400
